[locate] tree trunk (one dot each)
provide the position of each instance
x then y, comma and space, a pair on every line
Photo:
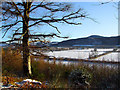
25, 41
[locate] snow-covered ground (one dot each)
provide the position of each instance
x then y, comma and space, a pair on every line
114, 56
69, 54
76, 53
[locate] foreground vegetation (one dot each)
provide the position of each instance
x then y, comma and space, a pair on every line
59, 75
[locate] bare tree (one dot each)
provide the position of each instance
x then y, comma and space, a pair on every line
19, 17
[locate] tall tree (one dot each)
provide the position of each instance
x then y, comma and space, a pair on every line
19, 17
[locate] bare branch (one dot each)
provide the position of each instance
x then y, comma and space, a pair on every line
49, 6
12, 12
72, 13
54, 27
16, 39
17, 29
6, 32
64, 18
101, 3
10, 25
36, 6
48, 19
18, 10
16, 32
34, 23
72, 22
57, 20
48, 35
20, 4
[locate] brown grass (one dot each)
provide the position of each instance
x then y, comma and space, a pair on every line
57, 74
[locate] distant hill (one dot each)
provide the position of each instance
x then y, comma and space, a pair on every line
93, 40
89, 41
95, 36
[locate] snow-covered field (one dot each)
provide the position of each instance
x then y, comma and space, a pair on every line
69, 54
114, 56
84, 54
